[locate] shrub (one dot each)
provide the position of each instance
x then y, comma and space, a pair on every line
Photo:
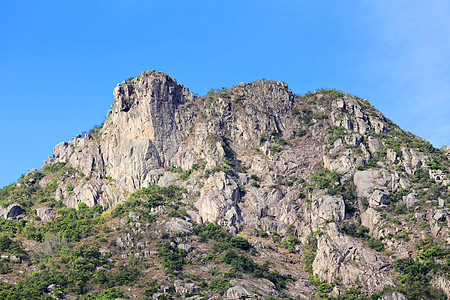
295, 111
263, 137
275, 148
172, 258
152, 288
240, 242
70, 189
289, 244
177, 213
309, 252
219, 285
301, 132
415, 279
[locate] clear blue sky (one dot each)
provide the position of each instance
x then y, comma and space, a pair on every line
59, 60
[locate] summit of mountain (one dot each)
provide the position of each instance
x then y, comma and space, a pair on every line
251, 191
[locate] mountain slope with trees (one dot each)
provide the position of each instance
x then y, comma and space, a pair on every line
247, 192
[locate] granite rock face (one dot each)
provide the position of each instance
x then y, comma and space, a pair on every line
247, 155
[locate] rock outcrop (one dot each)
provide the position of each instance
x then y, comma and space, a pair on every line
12, 211
257, 158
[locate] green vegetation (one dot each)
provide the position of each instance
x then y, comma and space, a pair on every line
224, 239
309, 251
362, 232
243, 263
212, 137
307, 115
397, 138
331, 182
263, 137
75, 267
12, 247
415, 279
149, 198
221, 167
376, 157
27, 191
174, 169
335, 133
73, 224
275, 148
94, 133
300, 132
172, 258
127, 102
219, 285
70, 188
290, 243
295, 111
185, 175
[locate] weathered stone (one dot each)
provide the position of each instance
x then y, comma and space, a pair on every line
342, 164
179, 225
185, 247
125, 240
218, 200
45, 214
442, 282
183, 288
374, 144
330, 208
337, 254
371, 218
440, 215
238, 292
378, 198
195, 216
410, 199
369, 180
12, 211
247, 155
446, 149
393, 296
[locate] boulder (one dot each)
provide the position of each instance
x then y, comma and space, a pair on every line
46, 214
378, 198
369, 180
393, 296
442, 282
218, 200
342, 256
329, 208
183, 288
238, 292
410, 199
374, 144
11, 211
179, 226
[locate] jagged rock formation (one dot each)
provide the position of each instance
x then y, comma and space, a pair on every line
252, 158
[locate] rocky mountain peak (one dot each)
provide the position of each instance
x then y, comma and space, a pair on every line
149, 87
324, 174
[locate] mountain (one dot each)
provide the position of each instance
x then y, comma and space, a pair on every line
247, 192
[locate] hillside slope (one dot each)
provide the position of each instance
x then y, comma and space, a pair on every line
247, 192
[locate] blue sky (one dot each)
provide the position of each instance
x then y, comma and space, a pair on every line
59, 60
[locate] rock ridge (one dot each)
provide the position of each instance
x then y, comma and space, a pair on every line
258, 159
